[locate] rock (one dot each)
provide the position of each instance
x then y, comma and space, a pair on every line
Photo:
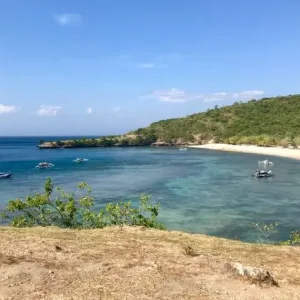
160, 144
252, 274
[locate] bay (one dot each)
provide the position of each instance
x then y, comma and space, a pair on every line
200, 191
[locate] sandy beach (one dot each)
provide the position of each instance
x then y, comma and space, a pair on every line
272, 151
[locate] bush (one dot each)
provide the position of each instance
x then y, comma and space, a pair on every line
284, 143
69, 211
294, 239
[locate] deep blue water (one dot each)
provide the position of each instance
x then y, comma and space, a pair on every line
201, 191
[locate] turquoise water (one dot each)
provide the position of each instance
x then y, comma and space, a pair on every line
200, 191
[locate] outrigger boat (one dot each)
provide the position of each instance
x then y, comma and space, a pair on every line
263, 174
44, 165
265, 171
5, 175
80, 160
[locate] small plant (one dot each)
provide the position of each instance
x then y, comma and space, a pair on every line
69, 210
265, 231
294, 239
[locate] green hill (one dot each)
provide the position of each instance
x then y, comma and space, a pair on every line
266, 122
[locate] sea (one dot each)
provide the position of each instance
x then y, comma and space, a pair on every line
200, 191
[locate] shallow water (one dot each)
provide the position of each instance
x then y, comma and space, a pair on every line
199, 190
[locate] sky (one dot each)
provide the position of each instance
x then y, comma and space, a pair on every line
97, 67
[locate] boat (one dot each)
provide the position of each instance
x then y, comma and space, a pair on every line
263, 174
5, 175
264, 169
44, 165
80, 160
182, 149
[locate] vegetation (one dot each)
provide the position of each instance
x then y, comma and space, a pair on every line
266, 122
109, 141
75, 210
70, 211
267, 231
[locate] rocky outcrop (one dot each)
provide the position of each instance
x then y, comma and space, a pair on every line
251, 274
161, 144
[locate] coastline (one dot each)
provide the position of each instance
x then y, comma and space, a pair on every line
272, 151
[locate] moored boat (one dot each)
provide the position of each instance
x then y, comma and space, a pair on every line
262, 174
80, 160
5, 175
44, 165
264, 169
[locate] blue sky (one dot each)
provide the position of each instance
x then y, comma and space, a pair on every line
97, 67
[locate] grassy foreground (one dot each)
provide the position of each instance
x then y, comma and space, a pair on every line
136, 263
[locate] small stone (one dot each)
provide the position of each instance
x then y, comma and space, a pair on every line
51, 272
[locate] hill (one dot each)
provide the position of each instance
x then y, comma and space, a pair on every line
265, 122
137, 263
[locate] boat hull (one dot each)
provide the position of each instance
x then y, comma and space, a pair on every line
4, 176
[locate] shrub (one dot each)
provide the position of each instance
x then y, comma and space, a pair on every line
294, 239
70, 211
265, 231
284, 143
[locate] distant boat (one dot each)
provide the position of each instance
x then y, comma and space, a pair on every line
44, 165
182, 149
265, 171
5, 175
262, 174
80, 160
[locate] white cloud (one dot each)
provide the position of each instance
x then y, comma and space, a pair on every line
181, 96
68, 19
173, 95
248, 94
116, 109
89, 110
147, 65
48, 111
7, 109
220, 94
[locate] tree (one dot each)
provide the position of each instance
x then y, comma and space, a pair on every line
70, 211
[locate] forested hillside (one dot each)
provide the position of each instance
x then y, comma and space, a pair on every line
265, 122
269, 121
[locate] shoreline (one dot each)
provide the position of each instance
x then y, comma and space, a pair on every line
271, 151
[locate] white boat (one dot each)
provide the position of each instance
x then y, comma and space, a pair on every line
44, 165
5, 175
182, 149
80, 160
263, 174
264, 170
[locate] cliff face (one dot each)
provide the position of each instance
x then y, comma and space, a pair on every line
137, 263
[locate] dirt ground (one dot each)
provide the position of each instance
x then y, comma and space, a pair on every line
137, 263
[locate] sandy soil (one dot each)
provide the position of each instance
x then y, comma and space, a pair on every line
272, 151
136, 263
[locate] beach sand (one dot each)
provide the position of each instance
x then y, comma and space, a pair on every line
272, 151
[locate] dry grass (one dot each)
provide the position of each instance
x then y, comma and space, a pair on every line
136, 263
